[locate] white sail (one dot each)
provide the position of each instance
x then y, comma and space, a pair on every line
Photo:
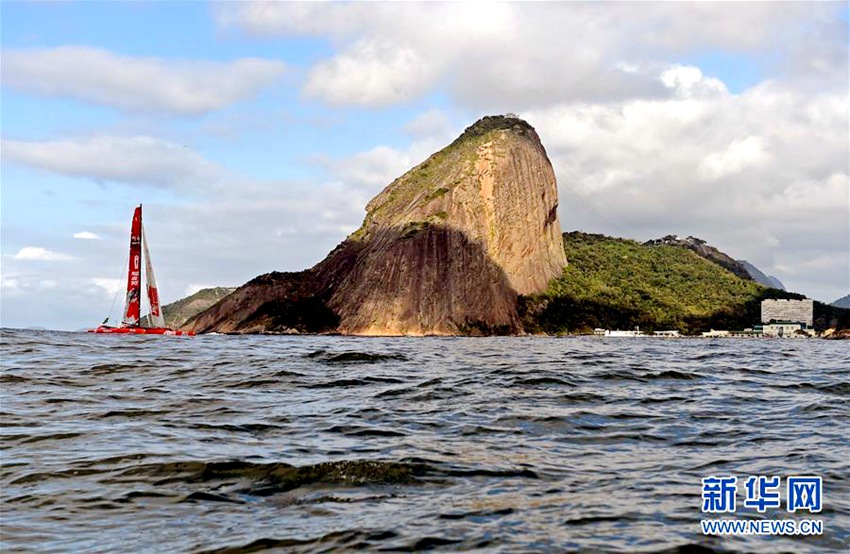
156, 319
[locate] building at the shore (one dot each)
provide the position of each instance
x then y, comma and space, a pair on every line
802, 311
635, 333
619, 333
786, 329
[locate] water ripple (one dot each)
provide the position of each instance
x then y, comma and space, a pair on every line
305, 444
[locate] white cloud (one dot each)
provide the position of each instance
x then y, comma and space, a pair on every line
430, 124
109, 287
689, 82
371, 73
344, 20
11, 285
101, 77
373, 169
21, 286
511, 56
303, 18
130, 160
40, 254
35, 298
739, 155
87, 235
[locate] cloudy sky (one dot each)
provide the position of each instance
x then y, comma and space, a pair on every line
255, 133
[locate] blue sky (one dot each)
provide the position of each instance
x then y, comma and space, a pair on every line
255, 133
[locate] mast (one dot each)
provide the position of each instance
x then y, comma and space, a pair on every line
156, 319
134, 275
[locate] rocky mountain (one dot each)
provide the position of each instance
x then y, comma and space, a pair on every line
177, 313
843, 302
446, 248
760, 277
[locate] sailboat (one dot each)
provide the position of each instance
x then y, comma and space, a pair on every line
132, 323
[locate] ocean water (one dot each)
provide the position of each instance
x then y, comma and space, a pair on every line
228, 444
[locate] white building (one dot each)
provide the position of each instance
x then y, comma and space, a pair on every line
784, 329
618, 333
788, 310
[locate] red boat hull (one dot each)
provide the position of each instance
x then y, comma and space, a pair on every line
141, 331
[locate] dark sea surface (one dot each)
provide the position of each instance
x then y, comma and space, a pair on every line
226, 444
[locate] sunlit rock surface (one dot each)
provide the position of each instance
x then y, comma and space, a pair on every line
444, 249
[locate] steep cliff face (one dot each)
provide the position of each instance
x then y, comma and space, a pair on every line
444, 249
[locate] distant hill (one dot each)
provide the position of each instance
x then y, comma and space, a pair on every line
177, 313
843, 302
704, 250
760, 277
741, 268
618, 283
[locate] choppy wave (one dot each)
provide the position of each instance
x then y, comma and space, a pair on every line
352, 357
305, 444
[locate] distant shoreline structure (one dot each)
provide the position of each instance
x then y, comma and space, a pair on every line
670, 333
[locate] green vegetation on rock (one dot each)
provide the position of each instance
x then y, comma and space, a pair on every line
489, 124
179, 312
413, 228
617, 283
436, 194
